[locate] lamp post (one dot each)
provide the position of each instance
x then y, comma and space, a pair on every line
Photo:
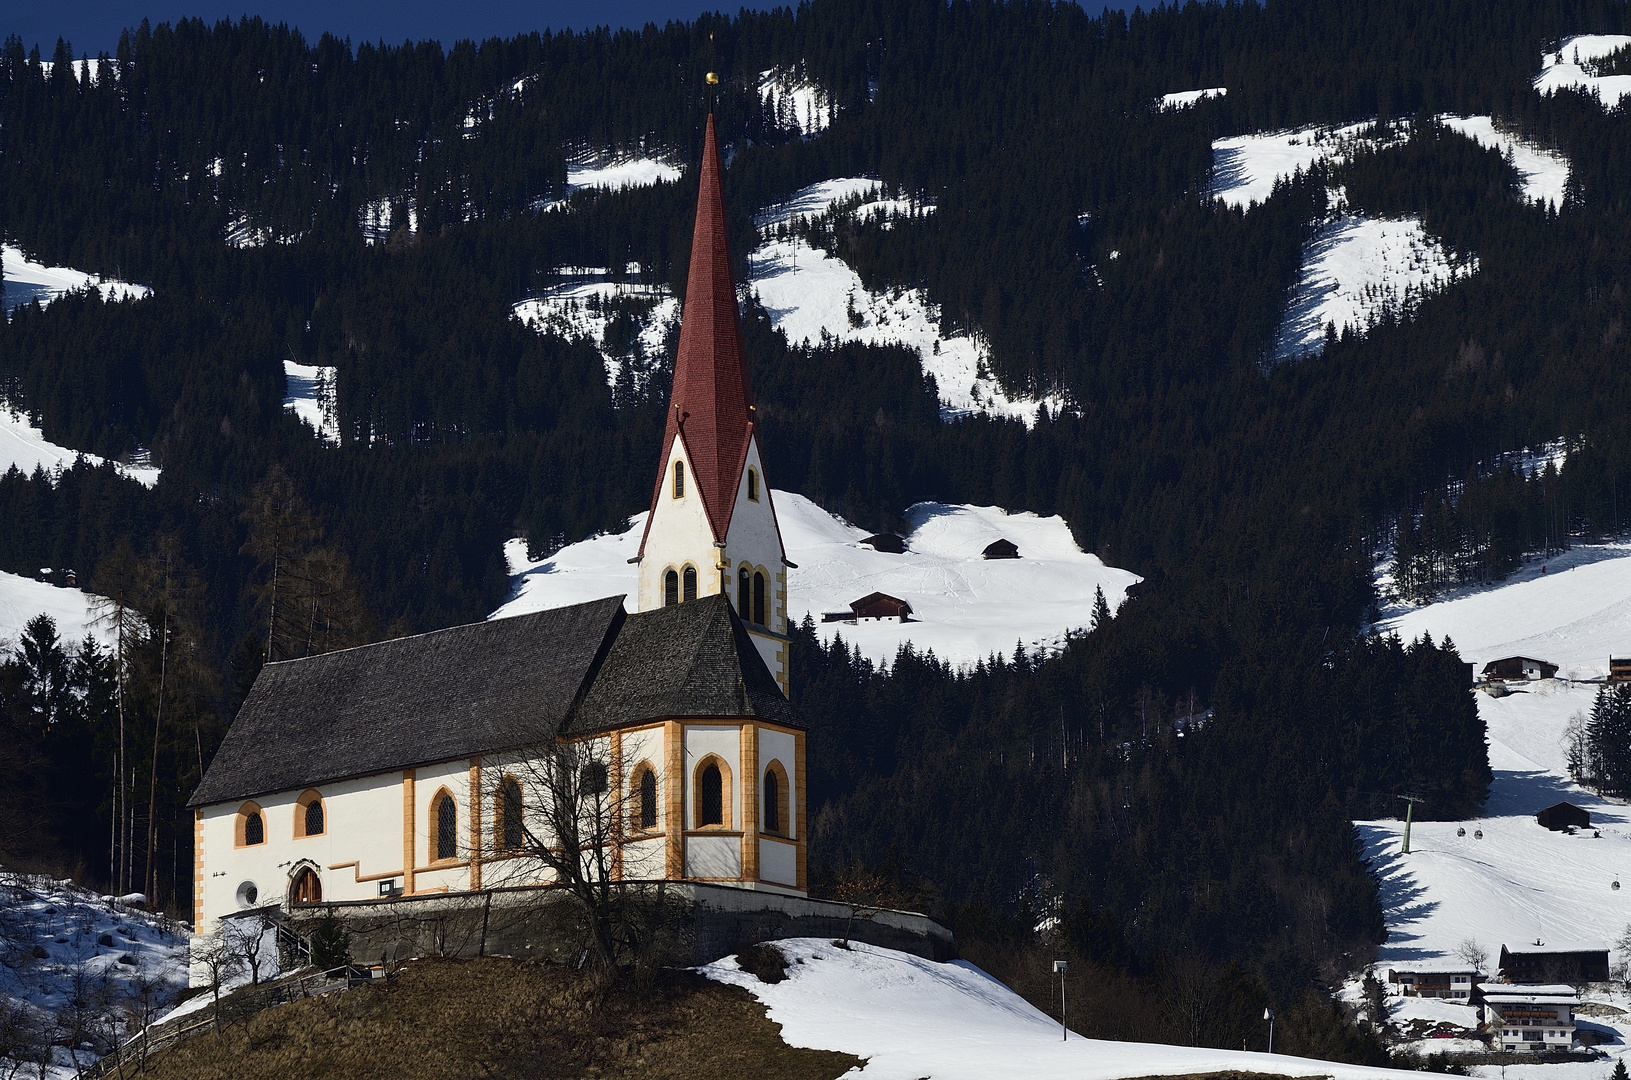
1064, 1032
1268, 1014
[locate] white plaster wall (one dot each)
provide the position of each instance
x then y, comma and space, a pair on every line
679, 533
362, 823
644, 859
455, 776
753, 540
779, 862
726, 742
713, 857
779, 746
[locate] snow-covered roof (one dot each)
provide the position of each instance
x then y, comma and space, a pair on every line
1510, 994
1434, 967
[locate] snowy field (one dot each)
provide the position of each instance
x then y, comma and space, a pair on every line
1571, 67
1519, 882
309, 394
584, 307
27, 280
87, 970
810, 295
22, 598
1355, 269
964, 607
911, 1018
1245, 167
1183, 99
1544, 174
25, 446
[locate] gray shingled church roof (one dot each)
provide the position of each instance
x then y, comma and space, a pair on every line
488, 687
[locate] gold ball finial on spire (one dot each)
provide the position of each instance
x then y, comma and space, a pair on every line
713, 80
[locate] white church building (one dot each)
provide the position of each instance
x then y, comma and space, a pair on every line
389, 770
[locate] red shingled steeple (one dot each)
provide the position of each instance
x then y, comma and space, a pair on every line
711, 403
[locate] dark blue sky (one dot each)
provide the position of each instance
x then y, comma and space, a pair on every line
92, 26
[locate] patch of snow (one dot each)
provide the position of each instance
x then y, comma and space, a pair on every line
911, 1018
23, 598
25, 446
812, 296
62, 965
374, 218
1355, 270
797, 103
964, 607
1519, 881
99, 68
586, 306
1571, 67
1183, 99
1245, 167
310, 394
1544, 174
609, 173
26, 280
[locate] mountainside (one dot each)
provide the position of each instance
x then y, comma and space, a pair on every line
310, 344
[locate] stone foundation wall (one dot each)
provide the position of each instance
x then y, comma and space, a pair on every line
682, 924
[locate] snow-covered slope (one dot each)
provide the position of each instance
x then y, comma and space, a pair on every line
963, 607
911, 1018
1571, 66
25, 446
27, 280
80, 952
1355, 270
1519, 882
796, 102
1183, 99
309, 394
585, 307
811, 295
1544, 174
614, 174
22, 598
1245, 167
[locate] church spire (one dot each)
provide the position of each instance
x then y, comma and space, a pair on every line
712, 402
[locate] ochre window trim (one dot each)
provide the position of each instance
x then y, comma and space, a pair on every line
239, 838
307, 798
637, 778
784, 802
436, 827
671, 587
726, 788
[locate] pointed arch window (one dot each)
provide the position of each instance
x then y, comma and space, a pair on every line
511, 824
671, 588
690, 583
309, 817
759, 599
645, 788
250, 827
744, 593
777, 799
753, 485
444, 821
679, 479
711, 797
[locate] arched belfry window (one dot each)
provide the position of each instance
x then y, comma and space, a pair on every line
759, 599
444, 818
511, 825
753, 485
744, 593
690, 583
671, 588
646, 788
679, 479
711, 797
773, 802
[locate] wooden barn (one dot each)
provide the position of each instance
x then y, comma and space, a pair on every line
886, 542
1001, 549
1515, 668
1619, 669
1540, 964
873, 606
1560, 816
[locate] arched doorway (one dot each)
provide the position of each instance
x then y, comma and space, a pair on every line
307, 888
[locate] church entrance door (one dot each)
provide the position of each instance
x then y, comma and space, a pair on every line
307, 888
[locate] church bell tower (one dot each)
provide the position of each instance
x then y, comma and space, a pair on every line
712, 527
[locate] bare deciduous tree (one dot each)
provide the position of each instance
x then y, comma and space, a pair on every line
560, 814
1473, 955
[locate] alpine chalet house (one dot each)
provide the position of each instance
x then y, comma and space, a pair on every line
386, 770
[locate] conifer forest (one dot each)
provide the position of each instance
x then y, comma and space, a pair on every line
1074, 230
